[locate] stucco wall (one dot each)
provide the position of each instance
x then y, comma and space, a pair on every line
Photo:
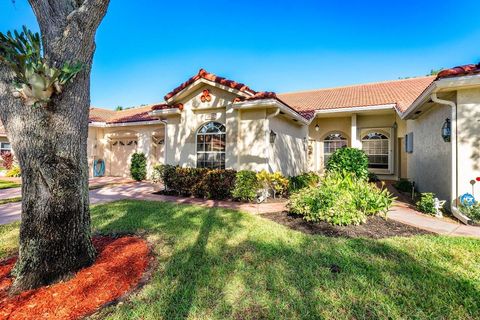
288, 153
468, 115
252, 144
181, 130
100, 146
429, 164
326, 127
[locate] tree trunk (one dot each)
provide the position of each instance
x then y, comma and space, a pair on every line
50, 144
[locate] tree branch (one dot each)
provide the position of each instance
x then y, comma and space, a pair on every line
90, 13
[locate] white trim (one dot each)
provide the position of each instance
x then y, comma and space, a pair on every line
445, 84
265, 103
357, 109
164, 112
204, 134
181, 93
123, 124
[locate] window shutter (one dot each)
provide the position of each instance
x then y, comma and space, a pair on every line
409, 142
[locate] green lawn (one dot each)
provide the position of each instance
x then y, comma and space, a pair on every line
222, 264
8, 184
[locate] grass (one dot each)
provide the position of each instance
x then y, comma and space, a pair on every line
8, 184
9, 200
223, 264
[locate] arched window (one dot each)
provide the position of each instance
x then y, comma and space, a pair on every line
211, 146
376, 145
332, 143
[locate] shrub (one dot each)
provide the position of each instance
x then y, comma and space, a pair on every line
164, 173
473, 211
403, 185
7, 160
340, 199
199, 182
218, 184
372, 177
14, 171
350, 160
304, 180
426, 203
138, 166
187, 181
246, 186
275, 182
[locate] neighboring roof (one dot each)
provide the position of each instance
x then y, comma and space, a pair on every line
122, 116
464, 70
399, 92
203, 74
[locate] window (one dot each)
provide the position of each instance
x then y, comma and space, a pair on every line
332, 143
211, 146
376, 147
5, 147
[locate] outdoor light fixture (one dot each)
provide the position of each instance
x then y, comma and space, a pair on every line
446, 130
273, 136
317, 127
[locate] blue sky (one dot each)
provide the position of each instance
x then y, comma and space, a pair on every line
146, 48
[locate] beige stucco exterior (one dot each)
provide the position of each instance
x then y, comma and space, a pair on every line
430, 161
468, 117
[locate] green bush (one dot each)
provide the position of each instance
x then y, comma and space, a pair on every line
303, 180
14, 172
274, 182
138, 166
340, 199
403, 185
246, 186
350, 160
426, 203
473, 212
217, 184
198, 182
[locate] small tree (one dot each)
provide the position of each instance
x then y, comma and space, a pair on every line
138, 166
350, 160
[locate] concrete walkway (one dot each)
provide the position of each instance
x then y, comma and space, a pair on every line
143, 191
400, 212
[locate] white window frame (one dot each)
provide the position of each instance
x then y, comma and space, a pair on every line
388, 132
197, 152
324, 141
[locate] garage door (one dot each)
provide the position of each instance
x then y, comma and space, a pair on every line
121, 153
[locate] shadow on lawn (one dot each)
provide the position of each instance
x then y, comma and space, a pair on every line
224, 264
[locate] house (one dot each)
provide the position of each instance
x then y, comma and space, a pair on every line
425, 129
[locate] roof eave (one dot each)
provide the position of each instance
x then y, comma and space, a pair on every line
265, 103
440, 85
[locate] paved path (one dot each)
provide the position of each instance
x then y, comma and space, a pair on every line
143, 191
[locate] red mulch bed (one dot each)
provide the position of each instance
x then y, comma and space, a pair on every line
119, 267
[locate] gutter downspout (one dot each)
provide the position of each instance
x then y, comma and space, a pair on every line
454, 181
164, 141
267, 136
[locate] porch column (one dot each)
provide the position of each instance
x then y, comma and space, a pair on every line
145, 146
353, 134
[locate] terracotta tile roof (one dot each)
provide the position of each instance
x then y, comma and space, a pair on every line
211, 77
399, 92
100, 115
464, 70
128, 115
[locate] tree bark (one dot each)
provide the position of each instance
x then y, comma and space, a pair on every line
50, 144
